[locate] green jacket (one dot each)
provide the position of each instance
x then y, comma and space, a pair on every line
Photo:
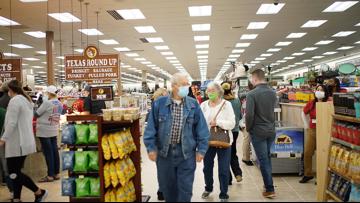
2, 119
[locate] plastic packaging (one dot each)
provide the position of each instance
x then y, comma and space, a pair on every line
68, 187
81, 161
82, 187
82, 134
93, 160
106, 147
94, 187
93, 137
107, 177
68, 159
68, 135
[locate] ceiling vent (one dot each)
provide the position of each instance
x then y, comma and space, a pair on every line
115, 15
144, 40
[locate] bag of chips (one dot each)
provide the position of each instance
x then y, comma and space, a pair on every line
106, 147
113, 175
68, 187
107, 197
131, 166
113, 148
132, 192
94, 187
93, 160
112, 195
67, 160
120, 195
355, 193
93, 137
68, 135
82, 134
119, 143
81, 161
107, 177
82, 187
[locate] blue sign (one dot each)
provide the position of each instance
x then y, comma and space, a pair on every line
290, 141
205, 84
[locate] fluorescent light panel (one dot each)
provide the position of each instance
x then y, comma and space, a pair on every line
330, 53
10, 54
243, 45
145, 29
343, 33
131, 14
257, 25
282, 44
236, 51
109, 41
289, 58
201, 38
41, 52
201, 27
7, 22
270, 9
313, 23
122, 49
310, 48
21, 46
168, 53
31, 59
36, 34
91, 32
79, 50
248, 36
155, 39
266, 55
340, 6
298, 54
324, 42
196, 11
202, 46
274, 50
202, 52
318, 57
64, 17
296, 35
234, 56
260, 59
345, 48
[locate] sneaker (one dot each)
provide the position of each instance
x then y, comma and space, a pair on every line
306, 179
205, 195
160, 196
42, 197
224, 200
239, 179
269, 195
248, 163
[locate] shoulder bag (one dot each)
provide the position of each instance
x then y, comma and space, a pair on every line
219, 138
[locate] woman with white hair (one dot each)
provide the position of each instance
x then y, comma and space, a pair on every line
218, 113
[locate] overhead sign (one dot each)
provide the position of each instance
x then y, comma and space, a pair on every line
10, 69
104, 93
92, 67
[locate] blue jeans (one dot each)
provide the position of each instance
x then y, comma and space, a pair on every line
224, 157
51, 153
262, 146
176, 175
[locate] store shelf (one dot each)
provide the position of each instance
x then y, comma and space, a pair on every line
86, 146
90, 118
117, 122
85, 199
346, 144
333, 196
346, 118
344, 177
89, 173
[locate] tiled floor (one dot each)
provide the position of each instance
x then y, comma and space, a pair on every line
287, 187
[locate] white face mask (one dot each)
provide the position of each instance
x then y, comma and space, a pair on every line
320, 95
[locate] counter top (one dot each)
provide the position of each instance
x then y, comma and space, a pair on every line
294, 104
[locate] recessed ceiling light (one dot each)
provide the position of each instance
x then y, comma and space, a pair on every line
146, 62
201, 38
202, 46
235, 51
195, 11
202, 52
168, 53
201, 27
310, 48
257, 25
345, 48
41, 52
289, 58
313, 23
234, 56
340, 6
122, 49
155, 40
344, 33
274, 50
318, 57
330, 53
161, 47
298, 54
145, 29
325, 42
36, 34
299, 63
31, 59
109, 41
91, 32
308, 60
10, 55
171, 58
296, 35
357, 25
266, 55
64, 17
175, 61
243, 44
282, 44
248, 36
203, 57
260, 59
79, 50
21, 46
203, 60
270, 8
140, 59
6, 22
358, 42
131, 14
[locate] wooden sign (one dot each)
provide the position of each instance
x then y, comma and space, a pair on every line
92, 66
104, 93
10, 69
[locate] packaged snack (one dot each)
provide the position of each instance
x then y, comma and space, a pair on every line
338, 159
113, 175
120, 145
132, 192
356, 171
113, 195
120, 195
94, 187
121, 170
106, 147
82, 187
107, 197
107, 114
355, 193
131, 167
113, 148
68, 160
68, 187
82, 134
332, 182
345, 163
93, 137
68, 135
93, 160
81, 161
107, 177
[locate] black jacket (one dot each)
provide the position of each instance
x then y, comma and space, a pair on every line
4, 100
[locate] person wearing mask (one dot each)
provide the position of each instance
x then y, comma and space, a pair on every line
321, 95
260, 123
226, 121
235, 102
92, 107
176, 137
19, 141
47, 129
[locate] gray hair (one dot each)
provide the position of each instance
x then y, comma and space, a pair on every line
218, 88
175, 80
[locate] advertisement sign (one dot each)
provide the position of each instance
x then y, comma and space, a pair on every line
104, 93
10, 69
288, 141
92, 67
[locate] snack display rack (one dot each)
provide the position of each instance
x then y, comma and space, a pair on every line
105, 127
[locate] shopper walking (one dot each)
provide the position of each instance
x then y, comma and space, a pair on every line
260, 123
321, 95
235, 102
218, 113
176, 137
19, 140
47, 129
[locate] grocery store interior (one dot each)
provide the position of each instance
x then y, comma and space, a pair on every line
96, 71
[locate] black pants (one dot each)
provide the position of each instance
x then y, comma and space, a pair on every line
235, 165
18, 178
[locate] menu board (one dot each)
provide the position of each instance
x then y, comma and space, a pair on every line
10, 69
104, 93
92, 67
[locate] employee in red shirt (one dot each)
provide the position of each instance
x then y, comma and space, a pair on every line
321, 95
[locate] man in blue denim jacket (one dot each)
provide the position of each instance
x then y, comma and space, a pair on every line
176, 137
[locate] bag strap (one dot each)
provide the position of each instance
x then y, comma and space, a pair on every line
222, 106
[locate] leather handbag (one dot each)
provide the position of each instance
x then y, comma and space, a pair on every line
219, 138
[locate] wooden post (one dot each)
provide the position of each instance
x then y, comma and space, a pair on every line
50, 57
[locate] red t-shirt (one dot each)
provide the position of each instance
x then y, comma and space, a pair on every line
310, 109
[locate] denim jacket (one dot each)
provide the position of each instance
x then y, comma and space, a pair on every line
195, 133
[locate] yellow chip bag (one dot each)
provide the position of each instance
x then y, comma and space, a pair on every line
113, 148
106, 147
120, 195
119, 142
113, 195
107, 177
131, 166
113, 175
107, 197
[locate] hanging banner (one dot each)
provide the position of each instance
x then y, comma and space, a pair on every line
92, 67
10, 69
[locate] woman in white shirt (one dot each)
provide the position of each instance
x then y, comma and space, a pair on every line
226, 121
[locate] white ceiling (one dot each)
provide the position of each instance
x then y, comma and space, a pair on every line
171, 20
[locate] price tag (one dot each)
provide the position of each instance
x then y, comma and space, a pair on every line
81, 177
66, 150
314, 121
80, 150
